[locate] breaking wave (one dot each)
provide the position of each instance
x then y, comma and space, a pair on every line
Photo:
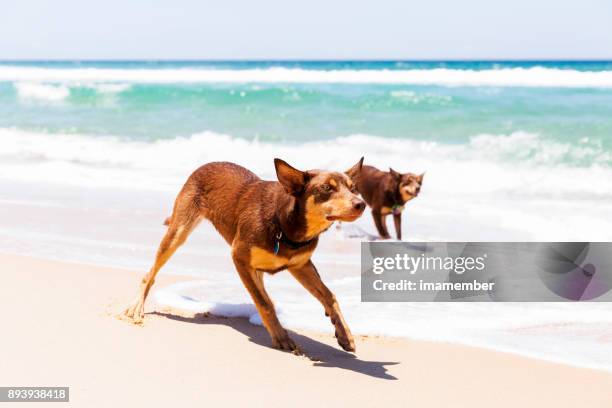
50, 92
488, 163
524, 77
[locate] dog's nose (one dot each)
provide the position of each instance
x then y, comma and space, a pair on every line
359, 205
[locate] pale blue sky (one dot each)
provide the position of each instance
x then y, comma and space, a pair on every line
308, 29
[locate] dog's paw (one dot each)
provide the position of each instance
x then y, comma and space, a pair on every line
285, 343
346, 341
134, 313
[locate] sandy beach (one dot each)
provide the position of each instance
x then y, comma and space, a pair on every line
61, 329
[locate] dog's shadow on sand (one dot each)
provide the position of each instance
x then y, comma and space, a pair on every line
320, 353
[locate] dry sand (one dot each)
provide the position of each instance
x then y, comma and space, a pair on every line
60, 328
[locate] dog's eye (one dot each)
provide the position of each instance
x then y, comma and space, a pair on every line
325, 187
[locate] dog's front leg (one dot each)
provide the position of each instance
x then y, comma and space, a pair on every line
253, 281
308, 276
381, 225
397, 219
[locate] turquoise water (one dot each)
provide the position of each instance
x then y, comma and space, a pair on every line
132, 108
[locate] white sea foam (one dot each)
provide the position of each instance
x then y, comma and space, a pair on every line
54, 92
581, 333
528, 77
488, 163
41, 92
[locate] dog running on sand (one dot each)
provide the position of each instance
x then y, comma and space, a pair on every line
270, 226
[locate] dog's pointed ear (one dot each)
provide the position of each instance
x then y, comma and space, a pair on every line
421, 177
292, 179
395, 173
355, 172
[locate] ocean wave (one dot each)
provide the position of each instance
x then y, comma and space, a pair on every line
516, 164
531, 148
517, 147
41, 92
524, 77
51, 92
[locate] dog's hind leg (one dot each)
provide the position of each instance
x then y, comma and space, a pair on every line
184, 219
308, 276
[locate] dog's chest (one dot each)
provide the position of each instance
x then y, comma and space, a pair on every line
265, 260
386, 210
395, 210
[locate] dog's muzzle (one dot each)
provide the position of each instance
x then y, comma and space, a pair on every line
357, 208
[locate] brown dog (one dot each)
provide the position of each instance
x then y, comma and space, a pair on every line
387, 193
270, 226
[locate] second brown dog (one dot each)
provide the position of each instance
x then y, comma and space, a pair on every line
387, 193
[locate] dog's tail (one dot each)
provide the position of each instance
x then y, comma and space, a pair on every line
167, 221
